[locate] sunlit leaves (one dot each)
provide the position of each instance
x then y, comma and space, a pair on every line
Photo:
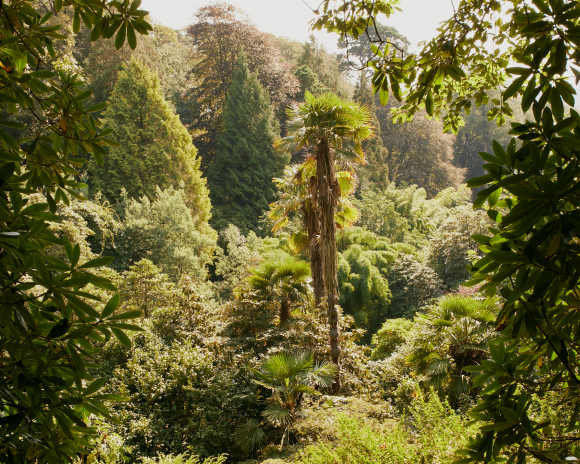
48, 313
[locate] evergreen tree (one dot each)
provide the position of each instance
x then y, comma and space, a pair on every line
240, 178
154, 148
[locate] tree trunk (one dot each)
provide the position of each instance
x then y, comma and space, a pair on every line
327, 198
284, 310
312, 223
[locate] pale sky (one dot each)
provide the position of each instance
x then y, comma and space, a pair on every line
289, 18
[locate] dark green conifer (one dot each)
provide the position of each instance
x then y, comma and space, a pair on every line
155, 149
240, 178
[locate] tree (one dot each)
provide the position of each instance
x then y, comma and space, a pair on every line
376, 170
531, 257
418, 152
324, 122
283, 280
297, 195
450, 336
164, 51
359, 52
52, 309
218, 35
325, 66
240, 178
165, 231
154, 149
308, 82
289, 377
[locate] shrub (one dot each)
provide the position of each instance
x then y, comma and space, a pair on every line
359, 443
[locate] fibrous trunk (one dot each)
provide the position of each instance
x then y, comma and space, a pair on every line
327, 197
312, 223
284, 310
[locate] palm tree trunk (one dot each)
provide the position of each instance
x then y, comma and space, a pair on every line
327, 197
284, 310
312, 223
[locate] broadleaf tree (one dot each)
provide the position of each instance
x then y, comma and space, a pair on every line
51, 312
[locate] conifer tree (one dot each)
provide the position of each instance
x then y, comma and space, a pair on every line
155, 150
240, 178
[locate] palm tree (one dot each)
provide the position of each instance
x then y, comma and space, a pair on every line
453, 335
296, 189
283, 280
325, 122
289, 377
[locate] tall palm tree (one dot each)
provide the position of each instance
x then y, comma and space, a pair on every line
296, 191
326, 122
283, 280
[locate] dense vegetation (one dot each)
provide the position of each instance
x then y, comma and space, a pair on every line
216, 246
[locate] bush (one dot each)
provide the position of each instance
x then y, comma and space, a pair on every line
360, 443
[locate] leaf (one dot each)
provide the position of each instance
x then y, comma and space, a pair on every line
429, 104
120, 39
111, 305
123, 339
95, 386
131, 39
59, 329
97, 262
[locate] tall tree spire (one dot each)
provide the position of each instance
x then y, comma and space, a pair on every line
240, 178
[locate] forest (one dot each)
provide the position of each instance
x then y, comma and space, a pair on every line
222, 246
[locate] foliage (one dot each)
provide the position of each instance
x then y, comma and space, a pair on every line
284, 280
163, 51
166, 231
308, 82
358, 443
452, 248
47, 390
288, 376
393, 333
154, 148
233, 261
326, 67
451, 335
405, 214
531, 257
417, 152
477, 135
180, 399
413, 285
363, 267
183, 459
375, 171
240, 177
433, 430
218, 35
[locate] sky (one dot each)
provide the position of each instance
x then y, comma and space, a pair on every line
289, 18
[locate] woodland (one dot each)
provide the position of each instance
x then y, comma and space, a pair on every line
222, 246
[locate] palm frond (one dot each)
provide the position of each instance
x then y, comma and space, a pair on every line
298, 242
249, 435
277, 415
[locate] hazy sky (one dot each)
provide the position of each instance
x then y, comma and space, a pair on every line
289, 18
